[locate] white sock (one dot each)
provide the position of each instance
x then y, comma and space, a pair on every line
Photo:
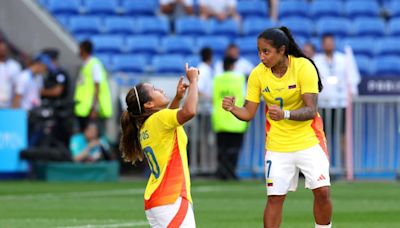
323, 226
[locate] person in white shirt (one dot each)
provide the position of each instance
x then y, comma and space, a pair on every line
242, 65
219, 9
9, 71
206, 75
340, 78
332, 67
176, 7
30, 83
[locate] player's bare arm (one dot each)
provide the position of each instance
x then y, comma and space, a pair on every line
245, 113
309, 110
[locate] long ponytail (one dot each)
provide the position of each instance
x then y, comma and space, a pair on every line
283, 37
131, 121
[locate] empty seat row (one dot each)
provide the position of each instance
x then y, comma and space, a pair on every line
108, 7
172, 64
139, 64
350, 8
153, 45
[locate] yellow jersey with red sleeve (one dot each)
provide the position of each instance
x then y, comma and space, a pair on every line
287, 135
163, 142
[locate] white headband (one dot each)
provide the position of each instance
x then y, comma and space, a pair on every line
138, 101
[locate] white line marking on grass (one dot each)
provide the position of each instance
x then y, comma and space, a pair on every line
116, 192
131, 224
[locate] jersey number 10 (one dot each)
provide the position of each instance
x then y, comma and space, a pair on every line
154, 167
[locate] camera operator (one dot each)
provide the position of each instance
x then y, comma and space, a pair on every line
55, 95
56, 82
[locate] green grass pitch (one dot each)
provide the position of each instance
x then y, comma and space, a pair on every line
216, 204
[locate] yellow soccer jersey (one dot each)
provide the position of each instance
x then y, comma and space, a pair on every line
287, 135
163, 142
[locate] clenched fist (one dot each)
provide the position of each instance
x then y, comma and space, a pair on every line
228, 103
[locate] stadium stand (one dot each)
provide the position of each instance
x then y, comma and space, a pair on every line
142, 32
129, 63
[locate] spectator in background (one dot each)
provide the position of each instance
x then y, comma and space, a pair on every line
339, 82
88, 146
309, 50
206, 75
56, 82
30, 82
9, 71
229, 129
332, 67
273, 9
55, 94
176, 8
242, 65
92, 93
219, 9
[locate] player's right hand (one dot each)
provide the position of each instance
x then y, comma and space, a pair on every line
228, 103
192, 73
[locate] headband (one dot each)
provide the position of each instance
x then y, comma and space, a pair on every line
138, 101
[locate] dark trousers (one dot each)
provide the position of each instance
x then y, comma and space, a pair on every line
229, 145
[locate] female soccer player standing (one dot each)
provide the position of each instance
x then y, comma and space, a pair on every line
295, 141
151, 129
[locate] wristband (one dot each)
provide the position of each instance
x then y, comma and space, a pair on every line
286, 114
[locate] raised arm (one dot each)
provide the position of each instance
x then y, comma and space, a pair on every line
245, 113
189, 109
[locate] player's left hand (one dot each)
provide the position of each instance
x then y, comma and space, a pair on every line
181, 88
275, 113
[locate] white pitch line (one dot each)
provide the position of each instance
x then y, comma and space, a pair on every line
131, 224
116, 192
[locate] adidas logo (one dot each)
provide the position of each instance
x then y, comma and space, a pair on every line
320, 178
266, 90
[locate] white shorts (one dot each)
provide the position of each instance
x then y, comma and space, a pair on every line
282, 170
179, 214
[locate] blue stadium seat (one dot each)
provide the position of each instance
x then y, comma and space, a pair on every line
62, 19
247, 45
64, 7
299, 26
106, 60
394, 9
253, 58
387, 66
129, 63
143, 44
337, 26
108, 44
168, 64
193, 60
43, 3
85, 25
362, 8
252, 8
361, 45
190, 26
228, 28
178, 45
217, 43
374, 27
153, 25
254, 26
120, 25
326, 9
97, 7
394, 27
140, 7
296, 8
364, 65
388, 46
